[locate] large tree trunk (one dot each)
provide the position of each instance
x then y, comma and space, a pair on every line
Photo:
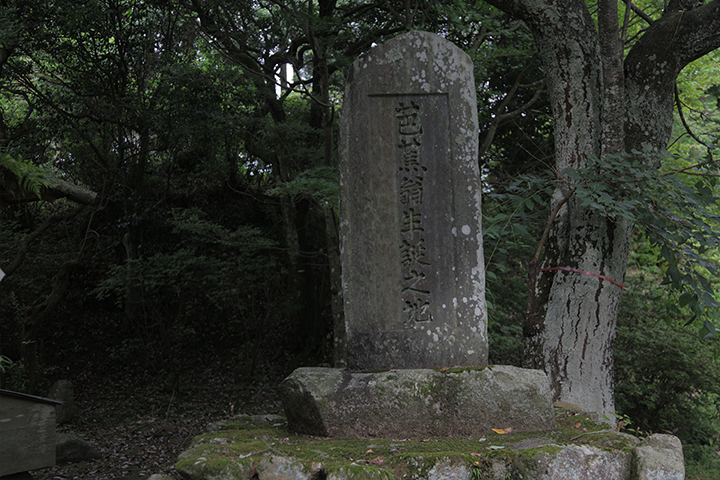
570, 327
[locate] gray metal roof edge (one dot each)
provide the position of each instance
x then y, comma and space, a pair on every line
25, 396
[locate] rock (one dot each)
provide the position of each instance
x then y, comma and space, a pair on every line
70, 448
582, 462
660, 457
416, 403
252, 447
214, 460
360, 472
277, 467
531, 443
572, 407
160, 476
62, 390
446, 469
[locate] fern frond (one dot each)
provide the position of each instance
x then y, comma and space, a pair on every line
30, 177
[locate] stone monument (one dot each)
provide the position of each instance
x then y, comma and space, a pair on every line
413, 276
414, 342
413, 286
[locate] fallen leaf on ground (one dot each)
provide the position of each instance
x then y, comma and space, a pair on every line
502, 431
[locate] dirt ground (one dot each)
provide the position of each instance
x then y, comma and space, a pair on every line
140, 423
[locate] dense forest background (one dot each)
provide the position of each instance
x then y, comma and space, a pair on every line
207, 129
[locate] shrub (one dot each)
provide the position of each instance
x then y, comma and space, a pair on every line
667, 379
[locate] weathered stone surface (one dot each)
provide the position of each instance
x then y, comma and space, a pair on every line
416, 403
531, 443
246, 447
660, 457
213, 462
278, 467
160, 476
411, 237
357, 472
27, 432
62, 390
582, 462
275, 420
70, 448
447, 469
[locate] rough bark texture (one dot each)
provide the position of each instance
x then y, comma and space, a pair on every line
571, 322
652, 66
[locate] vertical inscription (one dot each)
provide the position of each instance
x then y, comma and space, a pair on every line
413, 260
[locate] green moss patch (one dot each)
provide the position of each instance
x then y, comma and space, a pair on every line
241, 444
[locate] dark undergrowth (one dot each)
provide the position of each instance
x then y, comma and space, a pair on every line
140, 420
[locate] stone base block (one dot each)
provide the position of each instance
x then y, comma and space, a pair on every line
460, 402
260, 447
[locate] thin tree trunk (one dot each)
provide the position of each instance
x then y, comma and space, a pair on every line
336, 300
34, 318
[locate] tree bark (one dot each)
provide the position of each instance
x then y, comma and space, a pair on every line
570, 326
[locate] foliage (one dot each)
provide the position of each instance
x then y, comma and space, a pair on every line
4, 361
318, 184
702, 462
676, 209
30, 177
214, 286
509, 236
680, 217
666, 379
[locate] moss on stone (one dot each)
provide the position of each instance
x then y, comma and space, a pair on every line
211, 466
235, 450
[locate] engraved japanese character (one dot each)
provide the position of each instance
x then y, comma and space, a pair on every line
409, 121
413, 283
412, 254
410, 222
417, 311
411, 191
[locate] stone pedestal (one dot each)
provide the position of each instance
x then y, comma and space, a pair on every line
417, 403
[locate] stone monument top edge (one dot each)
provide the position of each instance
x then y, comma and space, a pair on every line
431, 65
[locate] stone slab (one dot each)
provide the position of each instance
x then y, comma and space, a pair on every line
413, 279
660, 457
416, 403
246, 447
583, 462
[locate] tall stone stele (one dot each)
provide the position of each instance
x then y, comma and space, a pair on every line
411, 240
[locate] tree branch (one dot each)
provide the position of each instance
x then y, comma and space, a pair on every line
25, 244
549, 223
682, 119
498, 117
639, 12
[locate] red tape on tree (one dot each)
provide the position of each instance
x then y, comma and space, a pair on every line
570, 269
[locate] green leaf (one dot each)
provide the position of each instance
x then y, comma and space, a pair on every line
686, 299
